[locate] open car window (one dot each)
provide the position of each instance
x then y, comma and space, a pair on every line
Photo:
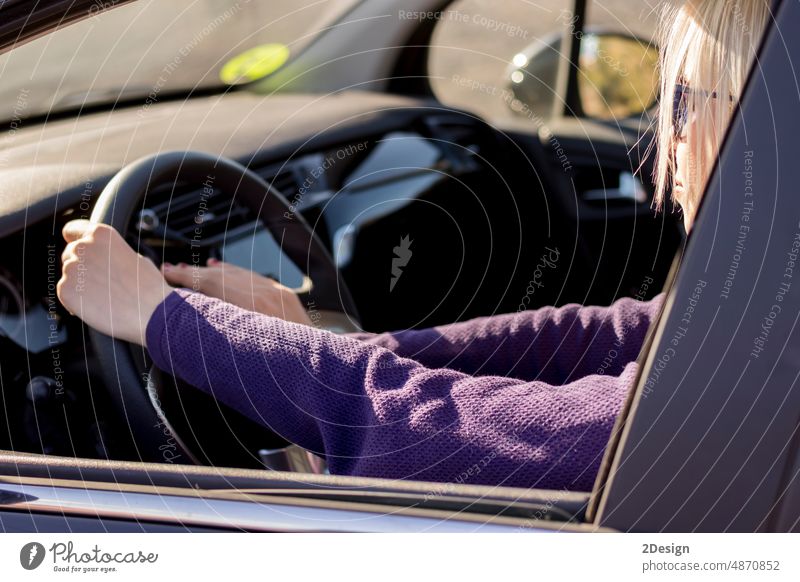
403, 174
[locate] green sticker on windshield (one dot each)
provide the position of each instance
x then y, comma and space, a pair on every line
254, 64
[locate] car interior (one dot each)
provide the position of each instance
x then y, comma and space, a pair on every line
355, 179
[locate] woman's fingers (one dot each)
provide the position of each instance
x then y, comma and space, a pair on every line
179, 275
76, 229
229, 268
239, 286
106, 283
195, 278
209, 280
214, 275
72, 251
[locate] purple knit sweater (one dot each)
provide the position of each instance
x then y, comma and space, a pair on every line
525, 400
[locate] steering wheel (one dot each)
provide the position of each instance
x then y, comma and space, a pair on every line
167, 421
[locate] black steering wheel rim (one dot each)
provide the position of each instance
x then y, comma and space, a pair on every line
140, 394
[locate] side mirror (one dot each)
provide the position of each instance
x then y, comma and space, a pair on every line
531, 78
618, 76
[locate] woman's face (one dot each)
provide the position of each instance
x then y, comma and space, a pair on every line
685, 178
681, 178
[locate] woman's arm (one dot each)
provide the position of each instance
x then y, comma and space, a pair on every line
368, 410
374, 413
553, 345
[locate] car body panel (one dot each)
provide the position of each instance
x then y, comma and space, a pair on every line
712, 440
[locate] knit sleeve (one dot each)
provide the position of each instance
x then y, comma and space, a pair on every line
554, 345
371, 412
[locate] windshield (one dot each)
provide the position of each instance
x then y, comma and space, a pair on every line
151, 48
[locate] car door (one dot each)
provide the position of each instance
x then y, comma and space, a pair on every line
711, 440
44, 494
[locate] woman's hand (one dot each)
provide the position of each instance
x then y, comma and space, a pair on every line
108, 285
241, 287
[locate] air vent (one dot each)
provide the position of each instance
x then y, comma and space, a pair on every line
191, 213
454, 129
302, 181
459, 136
283, 178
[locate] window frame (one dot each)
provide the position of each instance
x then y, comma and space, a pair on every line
664, 471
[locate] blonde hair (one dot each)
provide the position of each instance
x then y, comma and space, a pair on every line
707, 45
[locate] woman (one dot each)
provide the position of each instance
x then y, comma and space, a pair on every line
527, 399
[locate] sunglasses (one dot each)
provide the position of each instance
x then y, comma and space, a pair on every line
680, 106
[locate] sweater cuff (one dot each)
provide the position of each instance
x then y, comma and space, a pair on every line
156, 333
